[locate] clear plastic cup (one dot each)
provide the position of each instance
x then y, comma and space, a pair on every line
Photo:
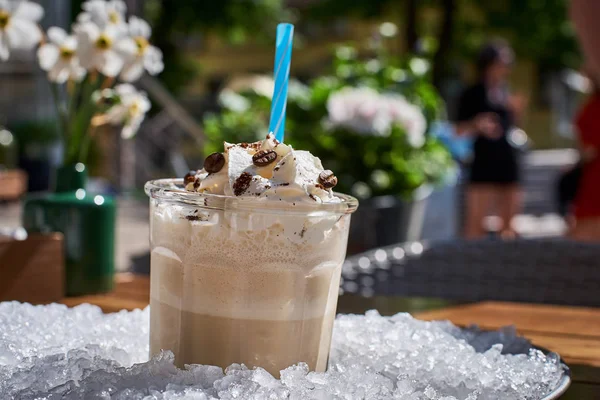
244, 280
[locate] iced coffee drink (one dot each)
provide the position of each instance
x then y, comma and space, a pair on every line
246, 259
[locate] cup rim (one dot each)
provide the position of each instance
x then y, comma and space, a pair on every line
172, 190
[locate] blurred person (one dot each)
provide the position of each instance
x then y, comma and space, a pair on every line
488, 111
585, 14
456, 136
587, 198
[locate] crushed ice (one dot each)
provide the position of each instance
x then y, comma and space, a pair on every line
53, 352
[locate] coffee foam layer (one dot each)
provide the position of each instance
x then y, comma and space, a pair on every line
242, 266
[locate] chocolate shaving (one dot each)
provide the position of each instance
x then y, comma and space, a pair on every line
270, 135
242, 183
193, 218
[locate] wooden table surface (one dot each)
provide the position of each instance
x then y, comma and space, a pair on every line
573, 332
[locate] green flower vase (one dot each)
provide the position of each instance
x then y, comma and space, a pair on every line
87, 222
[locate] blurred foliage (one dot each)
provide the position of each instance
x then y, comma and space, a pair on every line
174, 22
236, 127
366, 165
330, 9
235, 20
538, 29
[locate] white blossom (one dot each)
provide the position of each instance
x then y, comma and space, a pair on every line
409, 116
129, 110
298, 91
104, 13
58, 57
138, 53
262, 85
360, 110
18, 26
368, 112
234, 101
96, 48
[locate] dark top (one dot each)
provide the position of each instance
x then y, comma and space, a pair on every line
495, 160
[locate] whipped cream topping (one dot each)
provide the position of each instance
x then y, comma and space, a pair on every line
293, 175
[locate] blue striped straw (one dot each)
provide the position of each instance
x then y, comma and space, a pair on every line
283, 60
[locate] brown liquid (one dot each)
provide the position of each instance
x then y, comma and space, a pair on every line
206, 339
220, 296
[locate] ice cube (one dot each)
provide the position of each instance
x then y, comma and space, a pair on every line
53, 352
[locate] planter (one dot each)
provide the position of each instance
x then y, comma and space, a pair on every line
386, 220
87, 222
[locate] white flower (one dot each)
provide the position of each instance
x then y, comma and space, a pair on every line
298, 91
130, 109
263, 86
18, 26
96, 48
359, 109
409, 116
58, 57
138, 53
104, 96
104, 13
234, 101
367, 112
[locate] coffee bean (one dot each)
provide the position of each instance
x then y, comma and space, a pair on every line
242, 183
328, 179
264, 158
189, 177
214, 163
